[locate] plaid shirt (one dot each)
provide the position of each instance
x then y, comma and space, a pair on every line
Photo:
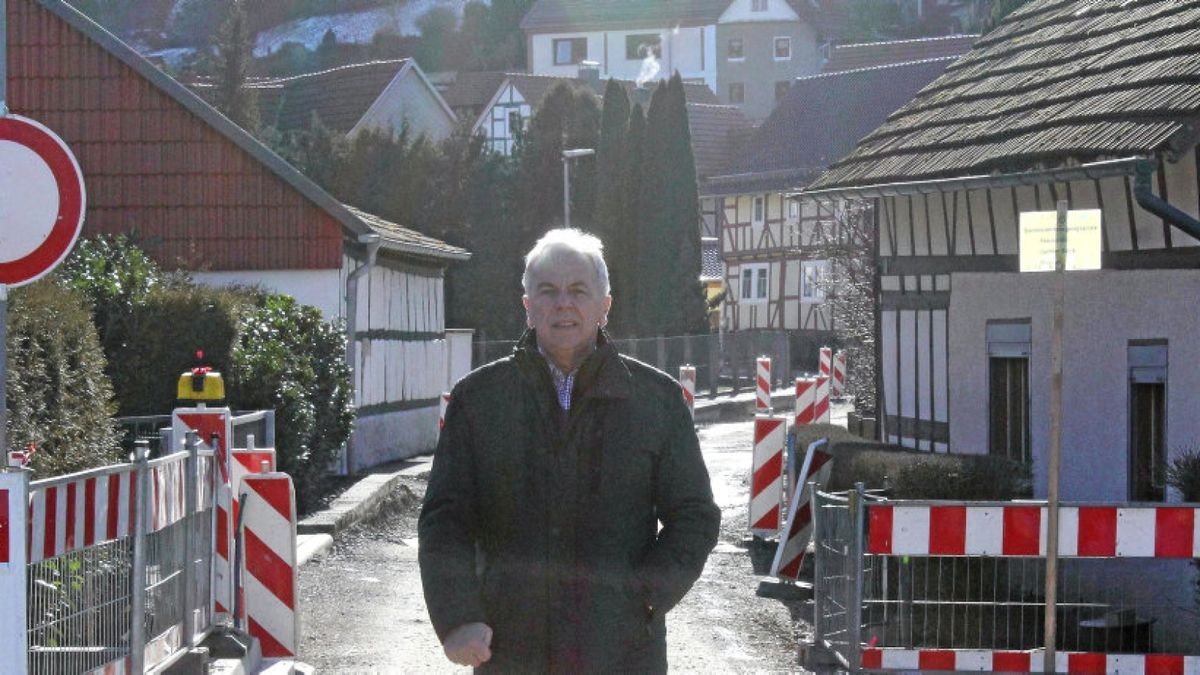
563, 383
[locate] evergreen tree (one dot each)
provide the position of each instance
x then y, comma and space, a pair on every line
232, 98
623, 244
610, 158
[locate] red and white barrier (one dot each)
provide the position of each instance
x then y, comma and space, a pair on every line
821, 411
119, 667
789, 555
806, 401
209, 423
687, 382
762, 382
766, 476
826, 362
973, 660
1020, 530
76, 514
168, 481
838, 379
14, 490
269, 571
444, 403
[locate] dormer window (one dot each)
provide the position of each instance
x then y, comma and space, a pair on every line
758, 5
569, 51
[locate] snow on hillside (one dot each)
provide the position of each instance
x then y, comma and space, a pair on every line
356, 27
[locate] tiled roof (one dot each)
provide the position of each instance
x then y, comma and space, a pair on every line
339, 96
1058, 82
711, 267
717, 131
870, 54
402, 239
534, 87
818, 122
472, 90
561, 15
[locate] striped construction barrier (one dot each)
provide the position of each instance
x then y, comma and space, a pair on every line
826, 362
687, 382
269, 563
821, 411
806, 401
444, 402
14, 491
789, 555
119, 667
766, 475
1029, 661
213, 427
838, 375
77, 514
1020, 530
762, 384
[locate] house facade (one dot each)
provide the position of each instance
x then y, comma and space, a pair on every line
743, 50
1064, 102
199, 193
776, 249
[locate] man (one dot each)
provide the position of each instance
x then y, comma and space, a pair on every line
540, 546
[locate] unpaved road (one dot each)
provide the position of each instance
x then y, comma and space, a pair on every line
363, 612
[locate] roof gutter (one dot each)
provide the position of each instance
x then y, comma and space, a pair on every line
372, 242
1092, 171
1144, 194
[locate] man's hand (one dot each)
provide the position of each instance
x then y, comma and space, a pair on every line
469, 644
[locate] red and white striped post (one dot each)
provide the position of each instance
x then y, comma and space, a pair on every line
445, 403
14, 498
762, 380
839, 374
687, 382
806, 401
214, 428
818, 464
821, 413
269, 563
826, 363
766, 475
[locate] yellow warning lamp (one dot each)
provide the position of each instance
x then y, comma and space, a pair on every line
200, 384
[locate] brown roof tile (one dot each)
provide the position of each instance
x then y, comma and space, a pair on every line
339, 96
1059, 82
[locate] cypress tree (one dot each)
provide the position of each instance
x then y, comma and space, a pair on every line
610, 158
652, 256
681, 197
623, 243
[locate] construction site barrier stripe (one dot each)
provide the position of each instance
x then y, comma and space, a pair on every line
766, 491
270, 547
763, 380
5, 527
789, 555
826, 360
1026, 661
1020, 530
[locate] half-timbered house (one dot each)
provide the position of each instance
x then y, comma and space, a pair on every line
201, 194
775, 249
1093, 103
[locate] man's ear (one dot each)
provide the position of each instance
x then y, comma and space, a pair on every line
607, 307
528, 319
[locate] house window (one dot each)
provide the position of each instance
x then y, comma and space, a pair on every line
569, 51
783, 49
812, 280
754, 282
1008, 346
735, 49
758, 5
638, 46
793, 209
781, 89
758, 214
1147, 420
737, 92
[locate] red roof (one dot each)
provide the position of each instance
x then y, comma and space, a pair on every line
198, 196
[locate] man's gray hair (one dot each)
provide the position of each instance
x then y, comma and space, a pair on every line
568, 240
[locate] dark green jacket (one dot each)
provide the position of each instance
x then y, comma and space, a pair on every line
572, 572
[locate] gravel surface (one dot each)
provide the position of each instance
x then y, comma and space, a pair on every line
363, 611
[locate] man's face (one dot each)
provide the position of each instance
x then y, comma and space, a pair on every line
565, 306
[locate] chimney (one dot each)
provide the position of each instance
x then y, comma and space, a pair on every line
589, 74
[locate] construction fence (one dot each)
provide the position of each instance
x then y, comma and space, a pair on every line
910, 585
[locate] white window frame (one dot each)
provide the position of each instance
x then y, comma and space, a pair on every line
775, 48
741, 51
754, 283
812, 272
554, 42
758, 210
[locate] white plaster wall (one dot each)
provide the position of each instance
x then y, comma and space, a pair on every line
392, 436
458, 354
409, 101
320, 288
682, 50
1104, 310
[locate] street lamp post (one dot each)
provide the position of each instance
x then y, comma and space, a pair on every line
568, 155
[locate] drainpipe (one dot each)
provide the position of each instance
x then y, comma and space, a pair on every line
1144, 193
372, 241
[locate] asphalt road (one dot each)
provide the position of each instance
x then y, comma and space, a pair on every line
363, 612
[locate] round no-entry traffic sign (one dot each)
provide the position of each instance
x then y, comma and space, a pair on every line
41, 200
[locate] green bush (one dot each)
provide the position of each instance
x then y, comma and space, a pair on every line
58, 396
1183, 473
290, 360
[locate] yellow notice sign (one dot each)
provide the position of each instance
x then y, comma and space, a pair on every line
1039, 238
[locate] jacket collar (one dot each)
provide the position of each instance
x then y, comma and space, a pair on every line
601, 375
